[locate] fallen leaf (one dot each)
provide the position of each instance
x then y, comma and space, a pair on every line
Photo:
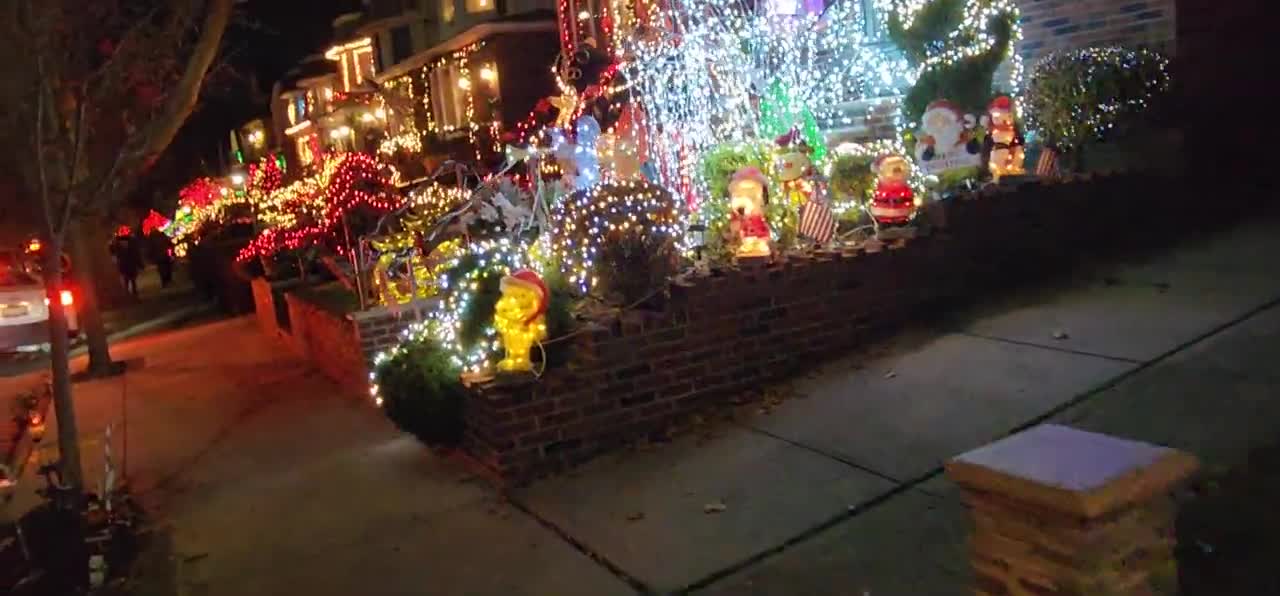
713, 508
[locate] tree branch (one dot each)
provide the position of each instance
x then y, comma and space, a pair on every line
40, 167
180, 103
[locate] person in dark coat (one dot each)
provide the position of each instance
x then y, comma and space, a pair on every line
161, 253
128, 257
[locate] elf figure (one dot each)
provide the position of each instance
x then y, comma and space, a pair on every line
893, 201
520, 318
1004, 143
748, 196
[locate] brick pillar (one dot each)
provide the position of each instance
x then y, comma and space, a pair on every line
1062, 511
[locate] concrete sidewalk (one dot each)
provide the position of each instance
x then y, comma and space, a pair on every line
266, 479
839, 491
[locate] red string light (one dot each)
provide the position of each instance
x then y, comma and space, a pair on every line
200, 193
359, 181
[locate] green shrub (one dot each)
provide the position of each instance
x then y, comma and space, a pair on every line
422, 393
632, 265
967, 82
618, 240
1078, 96
852, 178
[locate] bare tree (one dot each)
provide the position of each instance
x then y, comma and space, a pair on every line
93, 93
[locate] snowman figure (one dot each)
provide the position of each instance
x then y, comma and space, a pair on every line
1004, 143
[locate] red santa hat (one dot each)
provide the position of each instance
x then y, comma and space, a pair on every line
792, 137
531, 281
1002, 103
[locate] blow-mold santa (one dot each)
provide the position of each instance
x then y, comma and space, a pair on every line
893, 202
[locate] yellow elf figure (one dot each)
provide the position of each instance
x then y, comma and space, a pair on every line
520, 318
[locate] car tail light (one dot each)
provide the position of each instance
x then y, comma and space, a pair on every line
67, 298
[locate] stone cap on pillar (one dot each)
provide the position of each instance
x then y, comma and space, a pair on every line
1071, 471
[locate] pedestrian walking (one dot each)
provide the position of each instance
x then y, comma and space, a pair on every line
128, 260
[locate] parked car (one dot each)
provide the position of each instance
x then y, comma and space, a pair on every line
24, 307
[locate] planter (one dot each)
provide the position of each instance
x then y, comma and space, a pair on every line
721, 337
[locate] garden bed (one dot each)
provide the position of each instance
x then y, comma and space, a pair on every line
718, 337
323, 323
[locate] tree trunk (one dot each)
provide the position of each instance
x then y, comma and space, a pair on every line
89, 255
60, 367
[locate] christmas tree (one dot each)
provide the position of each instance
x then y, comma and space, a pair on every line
957, 46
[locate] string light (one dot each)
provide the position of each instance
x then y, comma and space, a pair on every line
700, 88
584, 221
1069, 112
311, 209
443, 323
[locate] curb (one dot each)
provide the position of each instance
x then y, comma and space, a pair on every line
165, 320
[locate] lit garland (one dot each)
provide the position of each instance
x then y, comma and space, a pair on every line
479, 261
347, 181
433, 201
1076, 95
586, 220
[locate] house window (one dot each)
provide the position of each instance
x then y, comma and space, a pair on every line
480, 5
446, 10
401, 43
450, 94
305, 154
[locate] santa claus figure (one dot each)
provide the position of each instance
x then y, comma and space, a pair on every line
945, 133
893, 201
748, 196
1004, 144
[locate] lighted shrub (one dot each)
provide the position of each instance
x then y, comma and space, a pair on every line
1078, 96
618, 240
422, 393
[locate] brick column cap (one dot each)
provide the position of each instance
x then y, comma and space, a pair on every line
1071, 471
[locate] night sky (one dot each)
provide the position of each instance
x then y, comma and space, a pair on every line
266, 39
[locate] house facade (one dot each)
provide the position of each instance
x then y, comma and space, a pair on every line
439, 79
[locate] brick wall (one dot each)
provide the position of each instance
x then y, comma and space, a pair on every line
379, 328
1049, 25
341, 346
329, 341
729, 333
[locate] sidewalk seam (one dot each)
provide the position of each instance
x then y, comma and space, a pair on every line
839, 458
633, 582
805, 535
1031, 344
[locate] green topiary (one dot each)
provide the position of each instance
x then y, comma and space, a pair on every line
852, 178
422, 393
945, 27
1085, 95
